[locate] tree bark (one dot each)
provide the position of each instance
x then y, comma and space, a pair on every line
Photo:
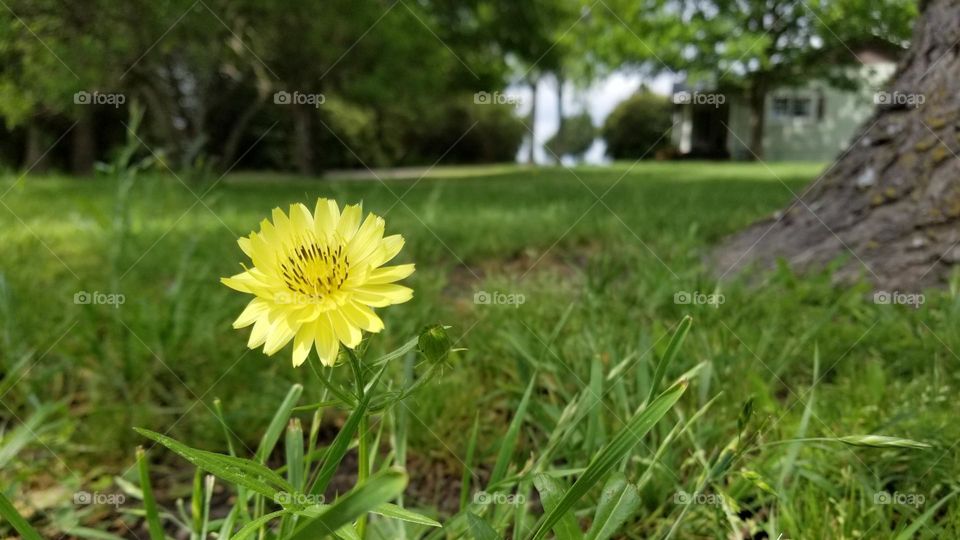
531, 152
890, 204
758, 114
35, 154
302, 145
83, 147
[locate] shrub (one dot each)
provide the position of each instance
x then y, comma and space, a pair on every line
636, 127
574, 138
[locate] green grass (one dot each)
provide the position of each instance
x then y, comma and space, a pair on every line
598, 280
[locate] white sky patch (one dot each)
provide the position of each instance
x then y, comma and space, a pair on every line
599, 99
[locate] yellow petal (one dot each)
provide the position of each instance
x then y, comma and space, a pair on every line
349, 221
258, 335
256, 309
326, 216
302, 343
326, 342
300, 218
282, 223
389, 274
367, 240
347, 333
382, 295
280, 334
363, 317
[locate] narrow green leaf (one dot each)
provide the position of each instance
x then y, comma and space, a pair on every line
341, 442
244, 472
149, 502
250, 528
277, 425
467, 475
551, 491
16, 520
608, 457
396, 512
509, 443
378, 489
294, 452
480, 529
672, 348
911, 531
618, 502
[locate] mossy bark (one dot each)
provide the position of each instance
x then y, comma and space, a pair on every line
890, 203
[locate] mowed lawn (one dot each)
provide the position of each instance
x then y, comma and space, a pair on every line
597, 256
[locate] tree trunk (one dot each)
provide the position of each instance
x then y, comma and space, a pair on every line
83, 147
559, 108
758, 115
890, 204
531, 154
35, 154
302, 146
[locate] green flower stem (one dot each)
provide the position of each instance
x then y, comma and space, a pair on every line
363, 450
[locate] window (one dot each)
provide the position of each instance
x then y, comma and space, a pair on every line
785, 107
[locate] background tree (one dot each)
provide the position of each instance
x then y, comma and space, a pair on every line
751, 46
637, 127
889, 206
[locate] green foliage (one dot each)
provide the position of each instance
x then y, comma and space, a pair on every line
574, 138
638, 126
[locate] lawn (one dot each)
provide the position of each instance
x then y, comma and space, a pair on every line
594, 259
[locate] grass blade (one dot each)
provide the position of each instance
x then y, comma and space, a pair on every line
468, 464
19, 524
672, 348
277, 425
510, 439
480, 529
378, 489
618, 502
551, 491
608, 457
149, 502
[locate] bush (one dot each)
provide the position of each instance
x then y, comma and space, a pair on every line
496, 134
574, 137
636, 128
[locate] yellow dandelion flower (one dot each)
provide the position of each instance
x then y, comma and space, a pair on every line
315, 279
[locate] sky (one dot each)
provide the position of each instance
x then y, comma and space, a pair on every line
599, 99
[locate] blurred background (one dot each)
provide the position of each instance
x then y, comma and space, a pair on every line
579, 155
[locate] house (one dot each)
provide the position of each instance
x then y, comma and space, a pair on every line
813, 122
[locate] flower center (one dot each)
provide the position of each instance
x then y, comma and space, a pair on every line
314, 269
